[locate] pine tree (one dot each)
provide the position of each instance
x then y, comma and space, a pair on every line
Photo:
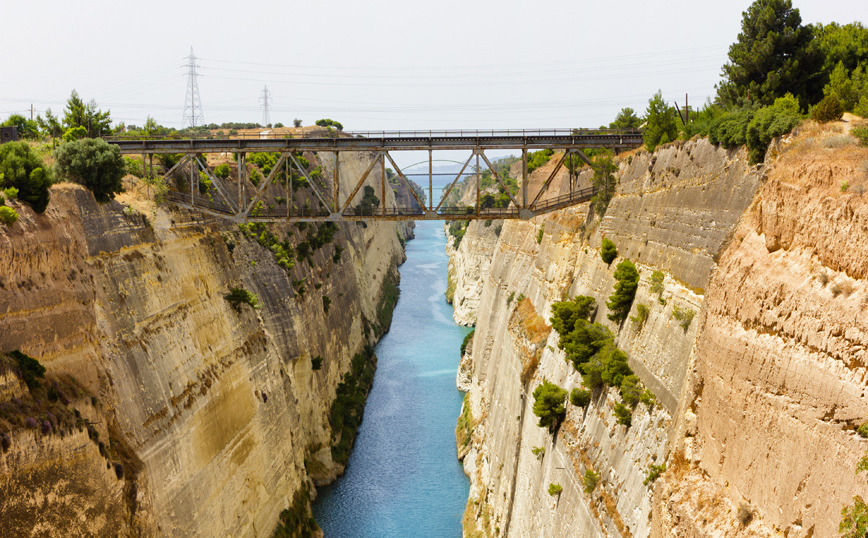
660, 122
774, 54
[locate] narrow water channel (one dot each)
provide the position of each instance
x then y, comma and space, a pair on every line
403, 478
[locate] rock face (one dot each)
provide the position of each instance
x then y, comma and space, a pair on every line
221, 409
780, 366
763, 377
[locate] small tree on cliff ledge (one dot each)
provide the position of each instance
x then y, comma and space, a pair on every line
625, 291
549, 406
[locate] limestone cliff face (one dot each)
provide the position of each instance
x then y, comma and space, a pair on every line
220, 410
780, 366
676, 211
468, 265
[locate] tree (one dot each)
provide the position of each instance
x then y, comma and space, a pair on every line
330, 123
26, 128
603, 182
50, 125
608, 251
660, 122
847, 44
296, 122
21, 168
79, 114
580, 397
93, 163
626, 119
774, 54
771, 122
566, 314
549, 406
625, 290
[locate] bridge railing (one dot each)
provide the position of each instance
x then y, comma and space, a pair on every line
444, 133
377, 212
475, 133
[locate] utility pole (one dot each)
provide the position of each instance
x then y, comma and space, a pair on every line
193, 116
266, 99
31, 111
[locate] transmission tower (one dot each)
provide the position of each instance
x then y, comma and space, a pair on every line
266, 99
192, 104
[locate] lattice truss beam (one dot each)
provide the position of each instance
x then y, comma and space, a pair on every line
243, 201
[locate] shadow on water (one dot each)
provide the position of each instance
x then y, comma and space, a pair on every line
403, 477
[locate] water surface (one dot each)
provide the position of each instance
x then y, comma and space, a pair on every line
403, 478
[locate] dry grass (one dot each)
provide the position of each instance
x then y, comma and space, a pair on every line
678, 466
532, 324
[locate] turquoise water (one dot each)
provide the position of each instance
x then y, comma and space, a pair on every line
403, 478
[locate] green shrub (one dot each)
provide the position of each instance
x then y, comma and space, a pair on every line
549, 405
539, 234
94, 163
657, 278
863, 430
861, 108
316, 363
467, 339
555, 489
615, 368
654, 472
329, 123
239, 296
625, 291
11, 193
297, 521
631, 390
539, 452
590, 481
535, 159
8, 216
348, 407
829, 109
640, 318
660, 122
222, 171
608, 251
566, 314
623, 414
22, 169
683, 315
580, 397
647, 397
509, 299
769, 123
861, 133
31, 370
585, 342
326, 303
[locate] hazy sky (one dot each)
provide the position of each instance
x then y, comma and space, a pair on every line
375, 64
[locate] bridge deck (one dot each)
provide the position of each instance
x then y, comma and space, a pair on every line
330, 205
393, 141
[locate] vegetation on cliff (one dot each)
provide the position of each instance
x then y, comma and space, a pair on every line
297, 521
348, 407
548, 405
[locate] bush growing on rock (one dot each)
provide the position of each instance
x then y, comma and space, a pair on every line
8, 216
654, 472
239, 296
467, 339
623, 414
608, 250
580, 397
94, 163
555, 489
590, 481
566, 314
625, 291
30, 369
549, 405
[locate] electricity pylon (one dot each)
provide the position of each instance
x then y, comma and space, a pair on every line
266, 99
193, 116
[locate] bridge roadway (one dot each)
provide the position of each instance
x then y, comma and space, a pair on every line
241, 207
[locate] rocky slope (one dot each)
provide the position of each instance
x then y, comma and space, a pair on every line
751, 393
216, 415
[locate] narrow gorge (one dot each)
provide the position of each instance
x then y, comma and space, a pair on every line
166, 409
752, 342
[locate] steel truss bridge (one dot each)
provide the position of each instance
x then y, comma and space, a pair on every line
241, 205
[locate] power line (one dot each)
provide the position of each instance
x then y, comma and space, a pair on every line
192, 103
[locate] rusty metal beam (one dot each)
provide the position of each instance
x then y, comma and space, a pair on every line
263, 185
361, 182
498, 178
446, 194
404, 179
549, 180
